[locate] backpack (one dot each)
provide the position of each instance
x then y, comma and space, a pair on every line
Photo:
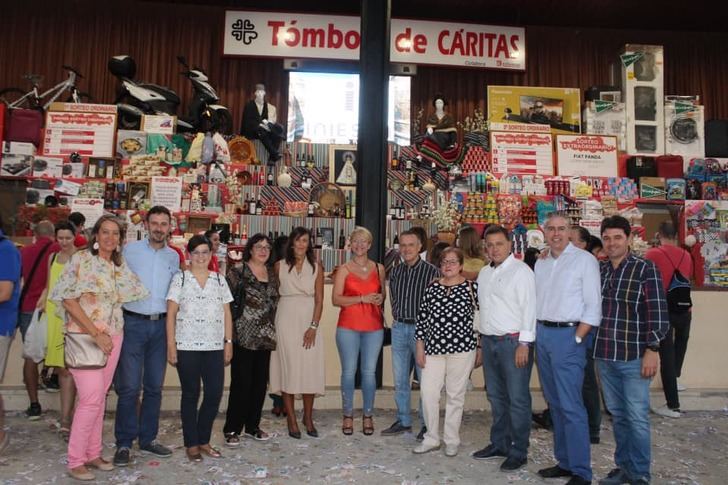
679, 300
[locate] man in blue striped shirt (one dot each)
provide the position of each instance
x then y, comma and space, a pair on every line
634, 320
407, 283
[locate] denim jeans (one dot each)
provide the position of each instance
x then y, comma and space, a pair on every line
627, 395
508, 393
142, 365
403, 349
194, 366
353, 346
561, 363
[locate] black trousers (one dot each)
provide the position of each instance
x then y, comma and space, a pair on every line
272, 142
248, 383
194, 366
672, 356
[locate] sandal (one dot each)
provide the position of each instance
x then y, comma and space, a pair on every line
210, 451
367, 425
193, 454
259, 435
347, 427
232, 440
64, 433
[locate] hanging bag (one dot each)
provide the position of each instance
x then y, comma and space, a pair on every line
679, 300
387, 329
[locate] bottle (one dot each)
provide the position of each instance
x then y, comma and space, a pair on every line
251, 206
392, 211
347, 207
319, 238
310, 163
310, 209
270, 176
342, 239
396, 241
244, 237
208, 148
270, 236
302, 162
259, 208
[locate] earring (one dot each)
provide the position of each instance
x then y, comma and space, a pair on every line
96, 246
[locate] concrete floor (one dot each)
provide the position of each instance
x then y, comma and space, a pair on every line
689, 450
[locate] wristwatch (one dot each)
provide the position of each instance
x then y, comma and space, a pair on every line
578, 339
655, 347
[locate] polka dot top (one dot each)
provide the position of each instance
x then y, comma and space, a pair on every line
445, 318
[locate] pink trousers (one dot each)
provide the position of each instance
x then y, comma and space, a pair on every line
85, 442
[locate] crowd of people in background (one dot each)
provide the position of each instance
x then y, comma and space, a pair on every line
595, 319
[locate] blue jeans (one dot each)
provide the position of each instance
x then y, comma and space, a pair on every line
353, 345
403, 349
561, 363
143, 363
508, 393
627, 395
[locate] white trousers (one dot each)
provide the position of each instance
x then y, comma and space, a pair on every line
452, 370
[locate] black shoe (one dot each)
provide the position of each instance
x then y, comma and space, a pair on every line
640, 481
34, 411
577, 480
512, 464
313, 432
542, 420
554, 472
489, 452
616, 477
122, 456
594, 440
51, 383
294, 434
395, 429
157, 449
421, 434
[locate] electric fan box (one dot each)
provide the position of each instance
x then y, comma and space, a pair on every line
684, 130
643, 88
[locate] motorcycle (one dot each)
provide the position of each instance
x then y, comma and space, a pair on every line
204, 112
136, 99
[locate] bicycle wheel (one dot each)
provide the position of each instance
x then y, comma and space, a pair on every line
10, 95
82, 98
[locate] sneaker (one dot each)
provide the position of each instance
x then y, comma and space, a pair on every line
232, 440
512, 464
615, 477
395, 429
667, 412
681, 387
423, 448
421, 435
34, 411
554, 472
640, 481
122, 456
51, 383
487, 453
157, 449
451, 451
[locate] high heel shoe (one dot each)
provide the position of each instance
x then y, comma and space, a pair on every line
294, 434
311, 430
367, 425
347, 427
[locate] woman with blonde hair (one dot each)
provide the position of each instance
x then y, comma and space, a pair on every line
359, 291
93, 286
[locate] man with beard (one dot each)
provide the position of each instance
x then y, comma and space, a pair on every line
143, 357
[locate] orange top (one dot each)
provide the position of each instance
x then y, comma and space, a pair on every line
362, 317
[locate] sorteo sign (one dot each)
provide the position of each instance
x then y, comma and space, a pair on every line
272, 34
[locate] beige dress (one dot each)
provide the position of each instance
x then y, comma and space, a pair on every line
294, 369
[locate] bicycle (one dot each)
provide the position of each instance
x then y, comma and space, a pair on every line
17, 98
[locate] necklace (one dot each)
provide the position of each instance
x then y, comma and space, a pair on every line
363, 267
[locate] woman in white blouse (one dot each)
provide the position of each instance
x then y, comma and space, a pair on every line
199, 344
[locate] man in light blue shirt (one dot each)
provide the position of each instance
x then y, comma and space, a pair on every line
143, 359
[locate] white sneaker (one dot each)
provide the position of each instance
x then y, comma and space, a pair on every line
667, 412
451, 451
681, 387
423, 448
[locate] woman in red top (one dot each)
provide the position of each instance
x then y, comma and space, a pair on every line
359, 291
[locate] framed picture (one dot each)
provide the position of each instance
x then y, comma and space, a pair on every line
343, 165
198, 224
327, 237
137, 192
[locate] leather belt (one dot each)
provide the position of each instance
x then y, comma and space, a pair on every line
153, 316
408, 321
503, 337
547, 323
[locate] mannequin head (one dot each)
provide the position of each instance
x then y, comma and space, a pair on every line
439, 102
259, 92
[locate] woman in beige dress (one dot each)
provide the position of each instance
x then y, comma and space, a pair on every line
297, 365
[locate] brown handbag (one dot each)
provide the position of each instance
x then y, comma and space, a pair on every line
82, 352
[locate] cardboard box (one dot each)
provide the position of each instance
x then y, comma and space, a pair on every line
652, 188
19, 148
16, 165
47, 167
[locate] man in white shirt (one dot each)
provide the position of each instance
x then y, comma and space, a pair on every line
507, 297
568, 291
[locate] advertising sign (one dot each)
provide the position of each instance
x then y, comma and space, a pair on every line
588, 155
82, 128
280, 34
521, 153
559, 108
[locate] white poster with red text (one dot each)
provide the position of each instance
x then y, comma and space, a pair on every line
86, 129
294, 35
521, 153
586, 155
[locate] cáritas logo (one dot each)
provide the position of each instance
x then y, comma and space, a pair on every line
244, 31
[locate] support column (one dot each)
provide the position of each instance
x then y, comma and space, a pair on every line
371, 182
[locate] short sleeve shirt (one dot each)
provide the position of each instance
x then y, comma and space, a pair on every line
445, 318
201, 314
9, 271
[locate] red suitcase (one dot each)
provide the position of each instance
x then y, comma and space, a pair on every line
670, 166
24, 125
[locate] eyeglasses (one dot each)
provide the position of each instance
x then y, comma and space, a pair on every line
200, 253
363, 242
449, 262
262, 248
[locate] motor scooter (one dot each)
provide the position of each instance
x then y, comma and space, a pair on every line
204, 113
